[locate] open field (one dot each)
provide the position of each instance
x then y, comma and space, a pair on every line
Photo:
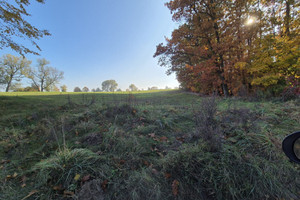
150, 145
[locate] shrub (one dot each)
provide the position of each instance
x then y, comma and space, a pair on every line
290, 93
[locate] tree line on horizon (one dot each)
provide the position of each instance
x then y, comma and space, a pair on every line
43, 77
234, 47
112, 85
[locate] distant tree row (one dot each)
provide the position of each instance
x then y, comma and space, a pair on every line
111, 86
43, 77
107, 86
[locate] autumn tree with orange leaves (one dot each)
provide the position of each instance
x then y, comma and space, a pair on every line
228, 47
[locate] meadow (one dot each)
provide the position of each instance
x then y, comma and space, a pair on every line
145, 145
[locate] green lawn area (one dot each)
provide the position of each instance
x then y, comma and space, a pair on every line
145, 145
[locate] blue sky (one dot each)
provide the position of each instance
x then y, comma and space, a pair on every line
96, 40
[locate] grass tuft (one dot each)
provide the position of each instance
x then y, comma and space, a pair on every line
61, 168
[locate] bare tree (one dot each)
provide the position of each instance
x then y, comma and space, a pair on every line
45, 76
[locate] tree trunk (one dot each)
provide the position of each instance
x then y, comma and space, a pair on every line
42, 85
287, 18
8, 84
225, 89
221, 65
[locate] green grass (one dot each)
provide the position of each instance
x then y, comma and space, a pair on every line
76, 93
145, 145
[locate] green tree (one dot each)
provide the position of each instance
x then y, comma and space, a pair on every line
45, 76
31, 88
2, 79
77, 89
14, 24
85, 89
13, 68
63, 88
132, 87
109, 85
52, 88
275, 59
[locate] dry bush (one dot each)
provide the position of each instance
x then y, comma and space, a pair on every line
207, 128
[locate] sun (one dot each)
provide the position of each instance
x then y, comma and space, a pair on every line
250, 21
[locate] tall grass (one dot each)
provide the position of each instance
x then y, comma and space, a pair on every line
167, 145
